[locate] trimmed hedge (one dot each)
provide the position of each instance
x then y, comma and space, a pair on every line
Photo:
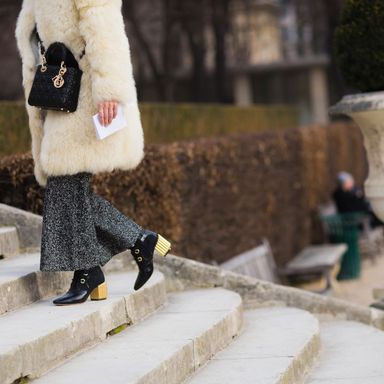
164, 123
14, 132
217, 197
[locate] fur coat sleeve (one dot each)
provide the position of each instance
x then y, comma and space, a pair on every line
23, 33
108, 53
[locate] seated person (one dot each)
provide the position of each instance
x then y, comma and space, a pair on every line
350, 198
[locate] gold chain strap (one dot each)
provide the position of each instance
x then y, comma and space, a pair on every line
43, 64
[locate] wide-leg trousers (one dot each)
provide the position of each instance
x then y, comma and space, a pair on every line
80, 228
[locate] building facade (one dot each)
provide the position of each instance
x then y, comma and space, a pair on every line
236, 51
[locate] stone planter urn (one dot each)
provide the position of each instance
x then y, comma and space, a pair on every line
367, 110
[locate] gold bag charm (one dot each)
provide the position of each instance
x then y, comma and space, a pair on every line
58, 80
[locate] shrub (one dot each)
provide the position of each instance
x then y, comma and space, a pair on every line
216, 197
359, 44
164, 122
14, 133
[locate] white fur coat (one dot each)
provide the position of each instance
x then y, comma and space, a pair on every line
65, 143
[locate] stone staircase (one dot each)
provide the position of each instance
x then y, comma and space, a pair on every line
191, 323
9, 241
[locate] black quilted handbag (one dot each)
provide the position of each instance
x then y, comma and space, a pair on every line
57, 80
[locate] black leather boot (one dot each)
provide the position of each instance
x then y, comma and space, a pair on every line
85, 282
143, 251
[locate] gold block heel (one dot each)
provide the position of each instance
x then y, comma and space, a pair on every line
163, 246
100, 292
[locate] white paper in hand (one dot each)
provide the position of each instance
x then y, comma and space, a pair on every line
118, 123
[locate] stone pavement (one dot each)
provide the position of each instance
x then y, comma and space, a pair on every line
360, 291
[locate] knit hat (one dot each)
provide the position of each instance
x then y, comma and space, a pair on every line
342, 177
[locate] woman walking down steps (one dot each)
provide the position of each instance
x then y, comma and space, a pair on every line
82, 231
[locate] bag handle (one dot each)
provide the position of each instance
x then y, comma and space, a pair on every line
42, 48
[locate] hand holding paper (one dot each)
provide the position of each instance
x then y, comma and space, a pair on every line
117, 123
107, 111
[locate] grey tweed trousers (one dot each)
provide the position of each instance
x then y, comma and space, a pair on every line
80, 228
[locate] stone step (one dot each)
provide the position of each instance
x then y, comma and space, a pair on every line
21, 282
9, 241
28, 225
35, 338
164, 349
276, 345
378, 293
352, 353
